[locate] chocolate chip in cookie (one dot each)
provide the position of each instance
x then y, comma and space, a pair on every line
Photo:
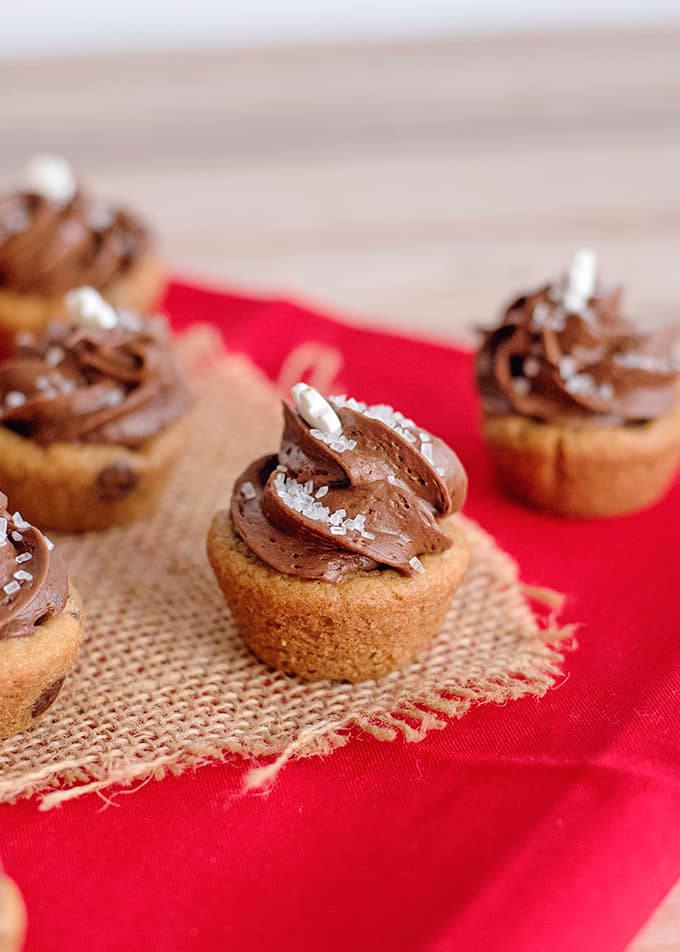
47, 698
116, 481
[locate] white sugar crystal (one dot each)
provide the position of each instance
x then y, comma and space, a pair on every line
22, 576
337, 443
115, 398
645, 362
338, 530
19, 521
440, 471
100, 218
133, 322
606, 391
558, 320
41, 383
581, 385
521, 385
566, 367
24, 557
50, 177
539, 315
393, 479
367, 535
15, 399
337, 517
54, 356
309, 486
424, 436
48, 543
248, 490
315, 410
321, 492
11, 588
531, 367
14, 221
416, 564
17, 536
426, 450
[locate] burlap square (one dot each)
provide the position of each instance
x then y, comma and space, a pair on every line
164, 682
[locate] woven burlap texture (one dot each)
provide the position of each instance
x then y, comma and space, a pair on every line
164, 682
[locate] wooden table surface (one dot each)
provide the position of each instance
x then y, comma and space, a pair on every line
415, 184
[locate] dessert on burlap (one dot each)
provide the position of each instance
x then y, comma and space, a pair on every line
164, 681
93, 416
41, 623
54, 237
339, 556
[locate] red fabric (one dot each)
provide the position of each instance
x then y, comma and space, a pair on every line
545, 824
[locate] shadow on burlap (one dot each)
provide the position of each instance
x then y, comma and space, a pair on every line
164, 682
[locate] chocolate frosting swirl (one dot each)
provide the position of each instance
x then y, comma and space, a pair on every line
576, 369
48, 248
109, 386
33, 579
367, 498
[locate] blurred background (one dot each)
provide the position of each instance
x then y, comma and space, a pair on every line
411, 164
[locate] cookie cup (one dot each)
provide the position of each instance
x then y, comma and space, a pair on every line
358, 629
79, 487
138, 290
585, 473
12, 916
33, 667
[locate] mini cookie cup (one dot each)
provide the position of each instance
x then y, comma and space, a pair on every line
33, 667
139, 290
585, 473
360, 628
79, 487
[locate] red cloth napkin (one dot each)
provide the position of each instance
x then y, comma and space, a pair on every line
545, 824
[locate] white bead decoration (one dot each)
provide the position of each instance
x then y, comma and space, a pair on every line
315, 410
88, 309
50, 177
580, 281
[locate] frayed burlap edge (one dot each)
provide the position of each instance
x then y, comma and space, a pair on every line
411, 713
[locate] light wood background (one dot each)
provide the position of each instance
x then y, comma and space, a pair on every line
417, 185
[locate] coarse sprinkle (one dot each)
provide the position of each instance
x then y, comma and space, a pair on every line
298, 497
402, 425
14, 399
248, 490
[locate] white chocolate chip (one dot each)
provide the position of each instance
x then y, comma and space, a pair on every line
50, 177
87, 308
315, 410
